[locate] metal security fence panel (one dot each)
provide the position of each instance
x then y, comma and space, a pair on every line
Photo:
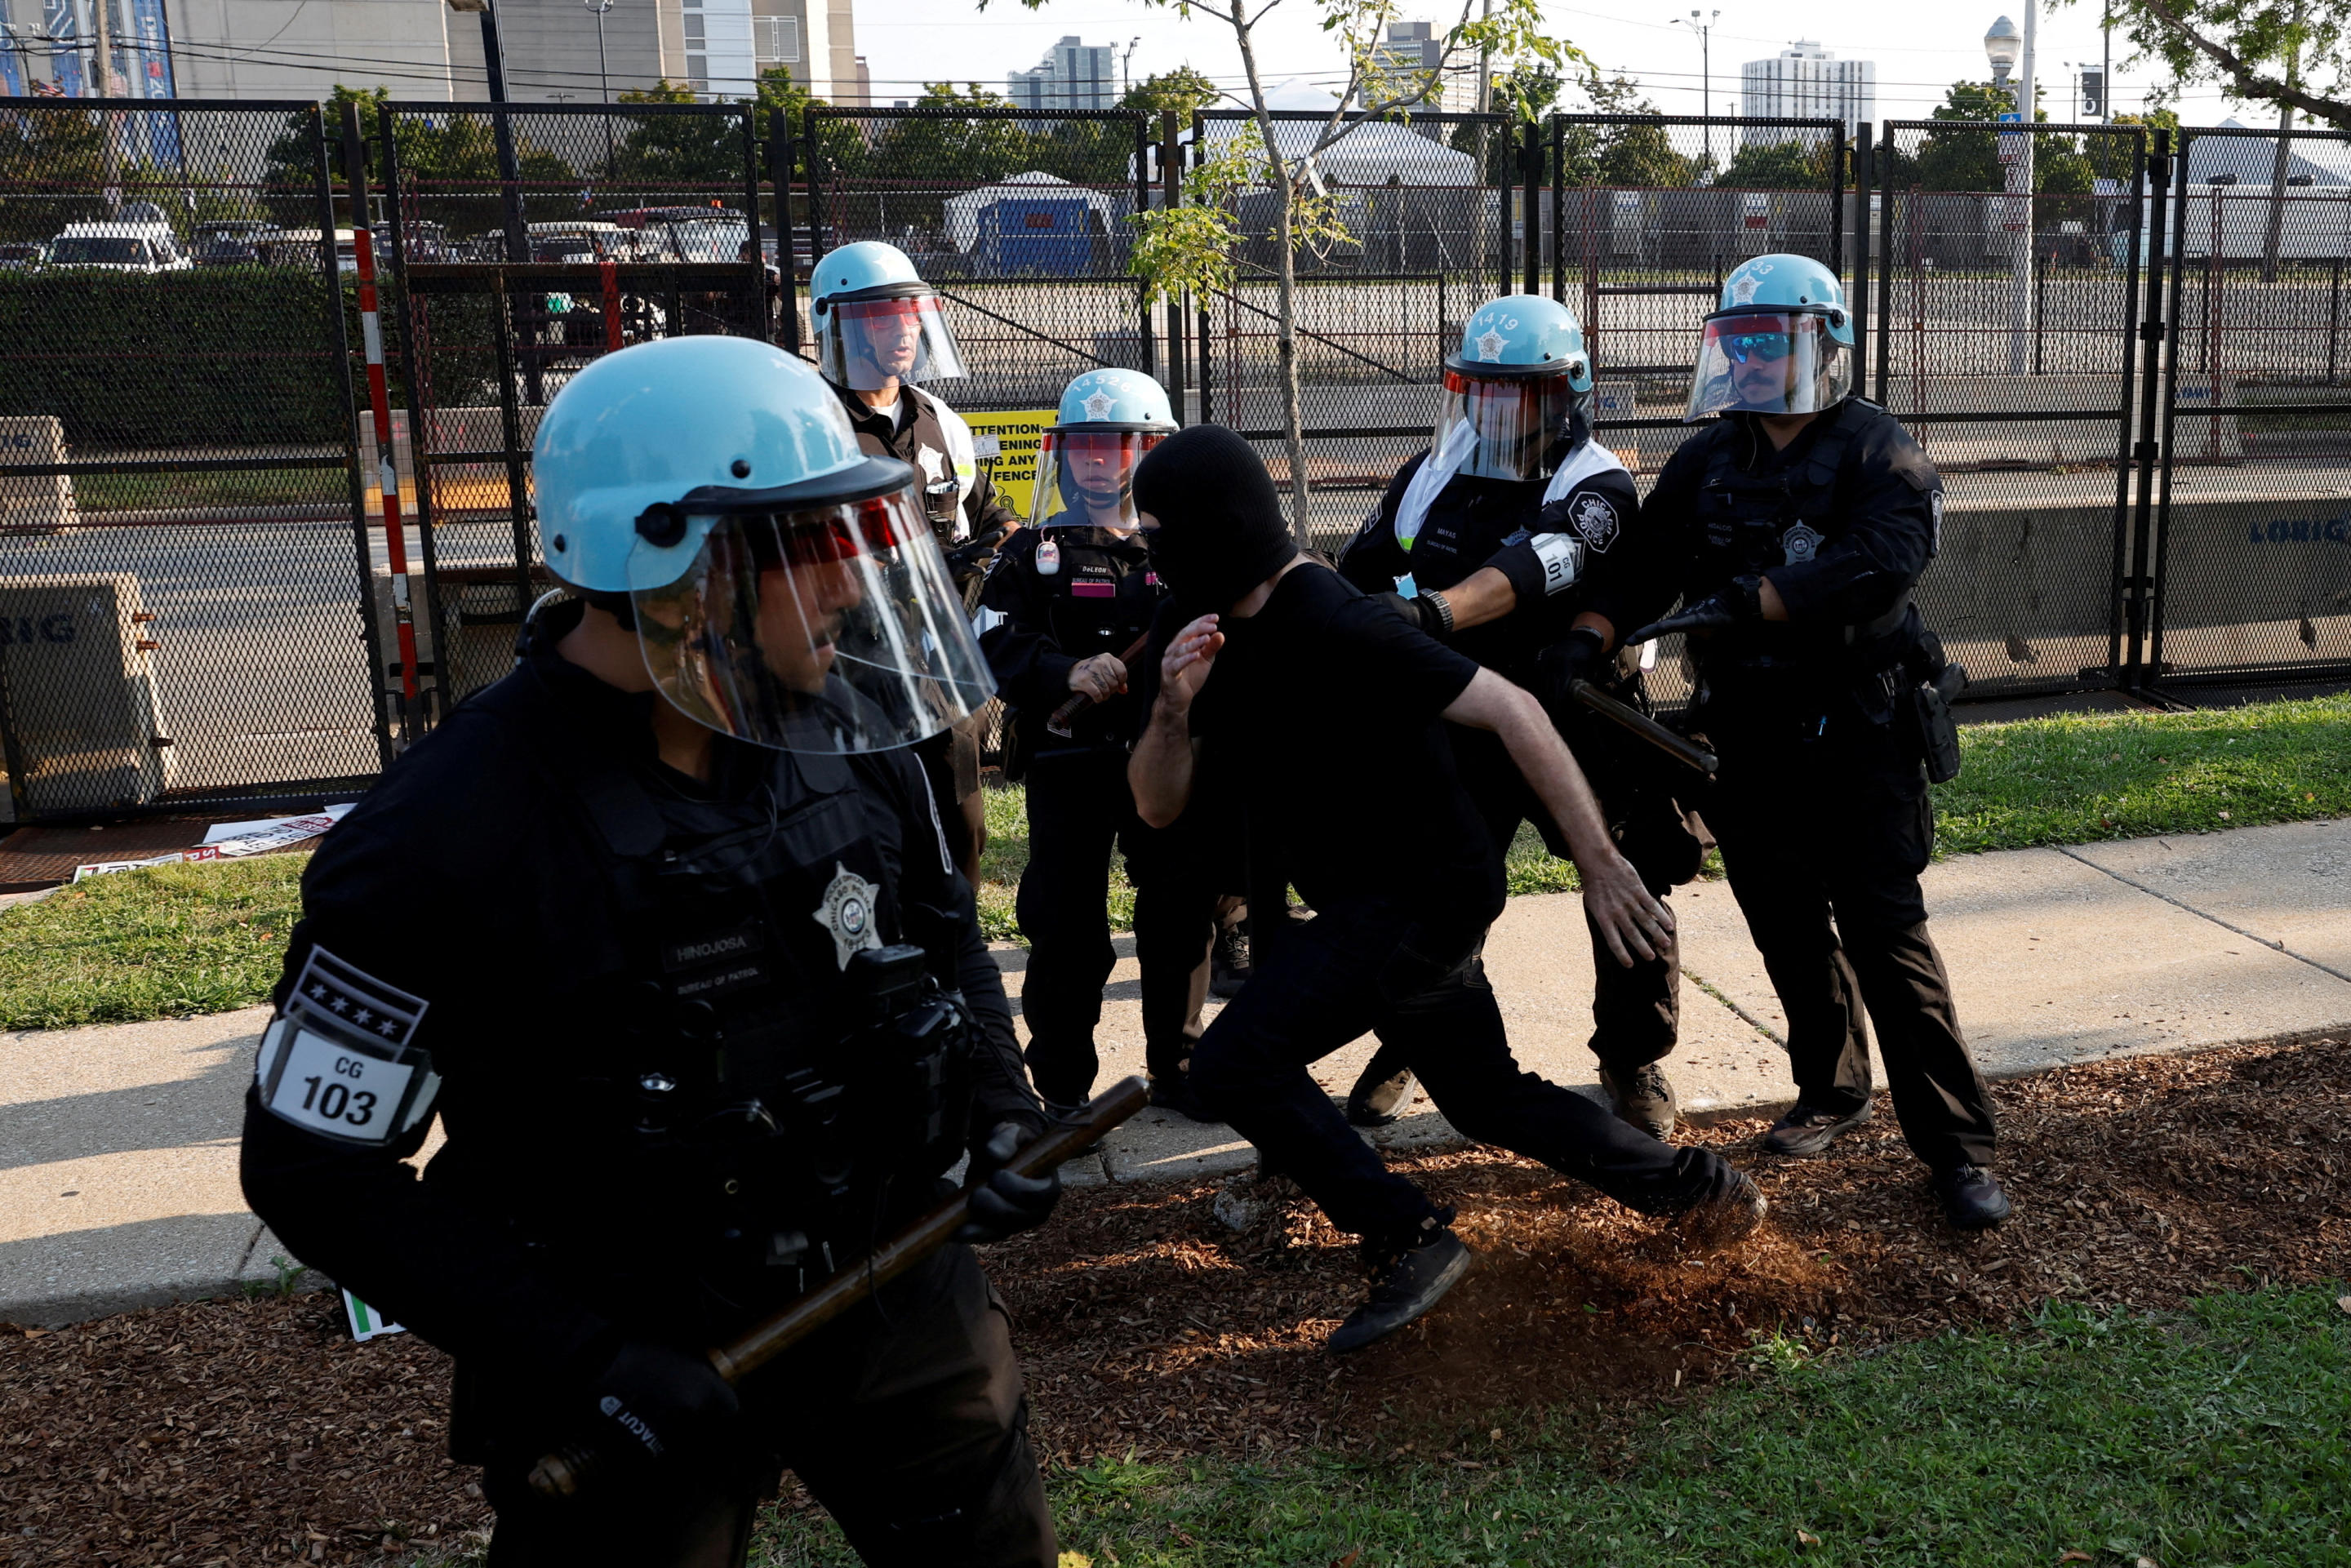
2254, 560
523, 245
2006, 335
1022, 221
184, 623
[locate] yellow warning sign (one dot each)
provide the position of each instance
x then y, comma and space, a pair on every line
1006, 446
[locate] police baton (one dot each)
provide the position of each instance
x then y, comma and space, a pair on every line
1060, 723
1685, 752
563, 1472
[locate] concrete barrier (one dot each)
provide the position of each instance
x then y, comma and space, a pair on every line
76, 667
42, 503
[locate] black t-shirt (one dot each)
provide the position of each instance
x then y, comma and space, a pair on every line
1323, 715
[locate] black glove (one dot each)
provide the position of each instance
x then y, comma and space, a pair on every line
1581, 655
1429, 611
1540, 565
1741, 600
652, 1402
1003, 1204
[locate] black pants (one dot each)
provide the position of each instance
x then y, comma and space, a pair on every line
908, 1424
1079, 808
1837, 829
1421, 984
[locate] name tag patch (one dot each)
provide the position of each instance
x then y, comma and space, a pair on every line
1563, 560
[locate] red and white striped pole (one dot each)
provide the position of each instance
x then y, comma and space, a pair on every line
396, 539
395, 535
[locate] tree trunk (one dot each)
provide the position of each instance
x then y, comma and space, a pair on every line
2275, 241
1286, 303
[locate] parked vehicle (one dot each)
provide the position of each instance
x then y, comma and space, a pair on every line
234, 242
299, 247
22, 254
120, 247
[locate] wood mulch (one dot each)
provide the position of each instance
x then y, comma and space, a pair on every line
253, 1431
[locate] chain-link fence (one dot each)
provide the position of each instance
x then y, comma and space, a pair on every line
2253, 564
182, 619
2131, 368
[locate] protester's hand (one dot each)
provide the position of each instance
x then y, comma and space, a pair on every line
652, 1402
1099, 678
1634, 924
1003, 1204
1741, 600
1425, 611
1184, 668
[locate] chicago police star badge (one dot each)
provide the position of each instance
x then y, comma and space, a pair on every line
1802, 543
847, 913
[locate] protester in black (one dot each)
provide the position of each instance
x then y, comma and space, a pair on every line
1794, 527
1329, 714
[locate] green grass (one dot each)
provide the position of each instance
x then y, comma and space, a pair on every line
2075, 780
201, 938
160, 943
2217, 1435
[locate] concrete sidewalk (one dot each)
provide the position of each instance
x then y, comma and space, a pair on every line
118, 1144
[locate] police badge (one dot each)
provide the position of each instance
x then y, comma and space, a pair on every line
1801, 543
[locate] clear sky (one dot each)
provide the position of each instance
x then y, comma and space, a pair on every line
1919, 48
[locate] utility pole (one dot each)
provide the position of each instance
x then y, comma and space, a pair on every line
1705, 31
103, 74
1125, 76
2006, 50
493, 63
1485, 68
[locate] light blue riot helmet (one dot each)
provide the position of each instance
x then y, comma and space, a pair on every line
785, 587
1518, 392
1085, 473
1780, 340
876, 321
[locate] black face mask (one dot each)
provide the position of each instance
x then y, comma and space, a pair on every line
1220, 529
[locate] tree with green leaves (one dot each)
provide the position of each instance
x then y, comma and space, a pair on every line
1632, 151
2292, 54
1505, 38
1182, 90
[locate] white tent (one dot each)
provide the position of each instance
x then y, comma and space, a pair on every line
1368, 154
963, 212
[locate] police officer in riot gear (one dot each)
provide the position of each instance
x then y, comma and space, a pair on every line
662, 927
1492, 530
1793, 528
882, 336
1066, 598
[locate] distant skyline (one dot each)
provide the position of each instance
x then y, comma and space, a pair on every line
1918, 56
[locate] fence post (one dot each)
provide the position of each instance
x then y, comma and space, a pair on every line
1530, 161
1206, 363
812, 162
1557, 188
750, 124
396, 529
781, 161
510, 429
1171, 189
1150, 338
1836, 204
416, 378
2161, 350
2152, 601
1857, 295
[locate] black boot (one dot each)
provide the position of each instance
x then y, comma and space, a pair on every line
1971, 1197
1642, 1098
1406, 1285
1809, 1129
1173, 1092
1229, 962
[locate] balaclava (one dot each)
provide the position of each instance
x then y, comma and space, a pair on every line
1220, 528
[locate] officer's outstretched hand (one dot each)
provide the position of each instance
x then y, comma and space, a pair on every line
1634, 924
652, 1402
1742, 600
1003, 1204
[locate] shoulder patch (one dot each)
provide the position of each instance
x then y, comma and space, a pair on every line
1594, 518
336, 1061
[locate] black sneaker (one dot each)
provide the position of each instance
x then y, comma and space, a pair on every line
1061, 1113
1229, 964
1642, 1098
1378, 1101
1807, 1130
1175, 1092
1718, 1221
1971, 1197
1414, 1281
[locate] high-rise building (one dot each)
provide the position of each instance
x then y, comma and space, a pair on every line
1806, 81
1417, 46
1072, 75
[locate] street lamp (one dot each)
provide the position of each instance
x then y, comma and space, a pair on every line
1705, 31
2006, 50
1125, 76
603, 71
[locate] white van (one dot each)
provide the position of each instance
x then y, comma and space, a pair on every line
120, 247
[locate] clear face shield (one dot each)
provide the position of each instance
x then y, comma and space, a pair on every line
1085, 478
866, 344
1517, 427
831, 629
1768, 362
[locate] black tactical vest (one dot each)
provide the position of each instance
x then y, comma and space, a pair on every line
1099, 597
